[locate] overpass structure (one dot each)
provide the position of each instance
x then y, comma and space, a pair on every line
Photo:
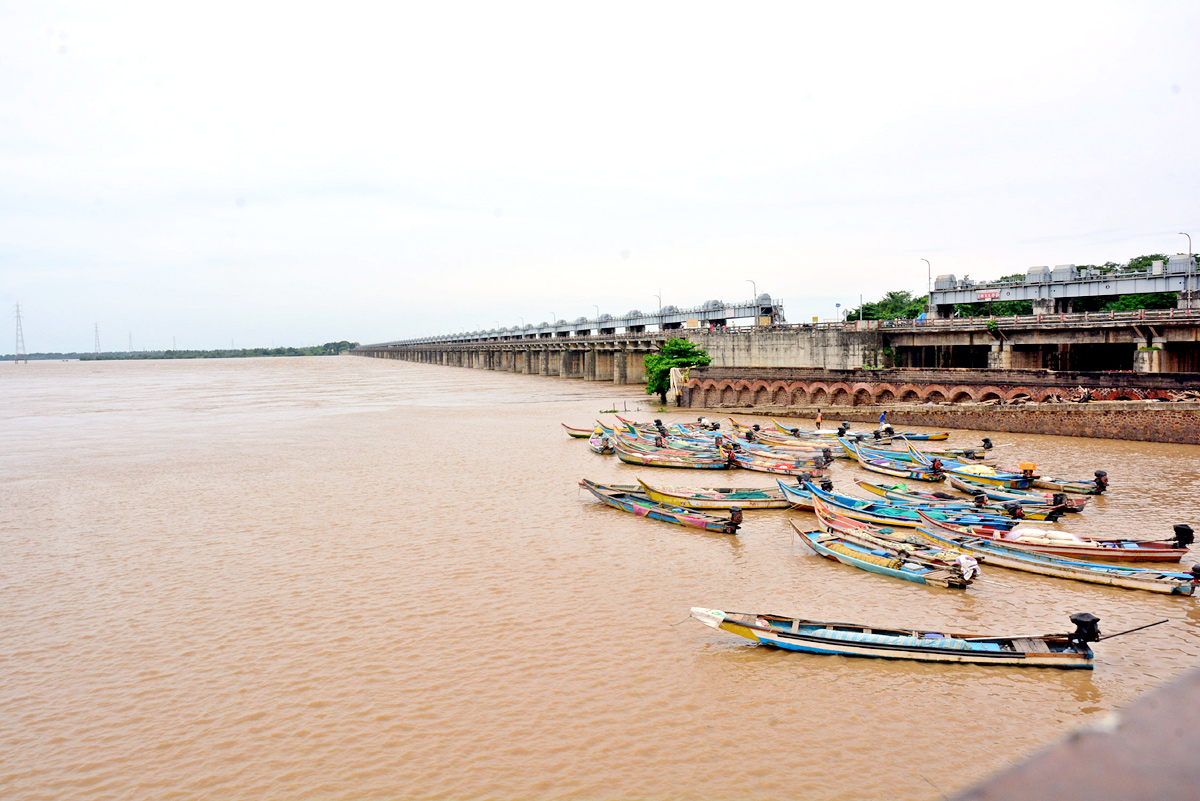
1143, 341
1052, 290
762, 310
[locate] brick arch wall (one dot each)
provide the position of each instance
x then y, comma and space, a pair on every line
989, 392
759, 392
935, 393
840, 395
962, 394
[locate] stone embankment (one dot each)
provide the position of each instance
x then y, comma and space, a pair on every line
1145, 421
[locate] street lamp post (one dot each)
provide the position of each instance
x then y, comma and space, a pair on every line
754, 289
928, 288
1190, 270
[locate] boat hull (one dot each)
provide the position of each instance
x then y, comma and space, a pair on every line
814, 637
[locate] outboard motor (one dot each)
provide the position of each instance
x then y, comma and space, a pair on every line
658, 423
859, 437
1059, 499
981, 500
795, 432
969, 453
715, 427
1101, 481
1196, 574
987, 443
1184, 535
827, 454
827, 484
802, 477
1014, 509
756, 427
887, 429
936, 466
735, 520
1087, 629
877, 434
842, 429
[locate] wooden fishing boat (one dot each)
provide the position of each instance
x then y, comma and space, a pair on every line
871, 448
1096, 487
577, 433
851, 542
642, 506
884, 558
913, 436
889, 514
601, 443
1020, 496
717, 497
763, 464
995, 553
908, 470
655, 457
799, 497
979, 473
932, 644
900, 493
1072, 546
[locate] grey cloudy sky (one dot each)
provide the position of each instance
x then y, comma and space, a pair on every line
287, 173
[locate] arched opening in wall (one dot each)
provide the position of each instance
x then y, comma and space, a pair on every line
961, 397
818, 396
910, 396
989, 396
729, 396
841, 397
780, 397
712, 396
862, 398
937, 396
761, 396
885, 396
1124, 396
745, 397
799, 396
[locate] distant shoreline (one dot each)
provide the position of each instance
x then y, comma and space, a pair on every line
328, 349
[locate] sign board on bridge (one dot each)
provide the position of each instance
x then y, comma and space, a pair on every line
987, 295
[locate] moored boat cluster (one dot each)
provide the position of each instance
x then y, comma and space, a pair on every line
936, 538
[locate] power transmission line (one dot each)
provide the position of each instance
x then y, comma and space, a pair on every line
20, 348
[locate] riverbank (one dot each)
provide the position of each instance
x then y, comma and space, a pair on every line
1143, 421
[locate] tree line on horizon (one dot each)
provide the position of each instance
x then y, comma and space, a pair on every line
903, 305
328, 349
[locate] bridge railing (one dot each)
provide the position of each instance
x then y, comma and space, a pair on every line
899, 324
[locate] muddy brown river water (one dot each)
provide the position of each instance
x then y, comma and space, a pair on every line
348, 578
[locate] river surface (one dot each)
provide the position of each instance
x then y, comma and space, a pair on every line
350, 578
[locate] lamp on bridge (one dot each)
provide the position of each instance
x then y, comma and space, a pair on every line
1191, 270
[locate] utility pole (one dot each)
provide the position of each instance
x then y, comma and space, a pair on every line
19, 351
97, 339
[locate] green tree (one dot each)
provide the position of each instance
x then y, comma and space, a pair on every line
891, 306
675, 353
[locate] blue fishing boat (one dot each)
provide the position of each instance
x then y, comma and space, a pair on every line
934, 644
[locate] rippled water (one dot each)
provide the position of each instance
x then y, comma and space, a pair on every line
353, 578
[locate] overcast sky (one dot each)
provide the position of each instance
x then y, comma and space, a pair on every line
268, 173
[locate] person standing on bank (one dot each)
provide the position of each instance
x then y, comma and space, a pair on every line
818, 419
881, 416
